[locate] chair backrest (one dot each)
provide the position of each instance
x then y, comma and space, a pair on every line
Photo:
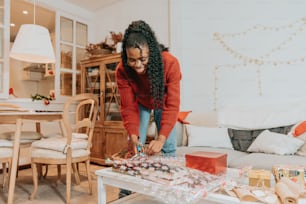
80, 115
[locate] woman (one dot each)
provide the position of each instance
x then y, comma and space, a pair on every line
148, 79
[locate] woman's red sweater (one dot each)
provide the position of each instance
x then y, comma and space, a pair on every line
136, 90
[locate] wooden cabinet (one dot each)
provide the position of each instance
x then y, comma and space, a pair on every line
115, 139
98, 77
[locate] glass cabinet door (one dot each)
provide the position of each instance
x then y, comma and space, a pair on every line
91, 82
111, 96
98, 77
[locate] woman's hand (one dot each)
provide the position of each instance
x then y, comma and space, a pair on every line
155, 146
135, 142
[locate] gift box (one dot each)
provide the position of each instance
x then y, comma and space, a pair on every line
211, 162
295, 173
260, 177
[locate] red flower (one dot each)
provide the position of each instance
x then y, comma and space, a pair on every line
46, 101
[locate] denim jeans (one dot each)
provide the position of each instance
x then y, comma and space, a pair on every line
169, 148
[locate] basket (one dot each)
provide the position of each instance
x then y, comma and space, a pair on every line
99, 52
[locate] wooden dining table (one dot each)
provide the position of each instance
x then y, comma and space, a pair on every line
18, 116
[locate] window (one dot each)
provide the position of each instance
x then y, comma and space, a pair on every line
73, 41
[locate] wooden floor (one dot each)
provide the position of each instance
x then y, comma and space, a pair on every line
50, 193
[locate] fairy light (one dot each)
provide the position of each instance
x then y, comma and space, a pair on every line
259, 80
298, 27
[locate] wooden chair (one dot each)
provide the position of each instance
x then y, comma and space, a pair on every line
6, 152
73, 146
26, 137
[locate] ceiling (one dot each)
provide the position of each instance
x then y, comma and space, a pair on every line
44, 16
93, 5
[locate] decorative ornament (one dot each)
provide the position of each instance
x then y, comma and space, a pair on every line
111, 44
12, 92
41, 97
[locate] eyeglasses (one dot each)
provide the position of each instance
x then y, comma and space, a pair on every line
133, 62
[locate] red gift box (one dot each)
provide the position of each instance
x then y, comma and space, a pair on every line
211, 162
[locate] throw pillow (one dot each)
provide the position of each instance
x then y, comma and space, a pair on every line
299, 129
275, 143
299, 135
182, 116
208, 137
302, 150
242, 139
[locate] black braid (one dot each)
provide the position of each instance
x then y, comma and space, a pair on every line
144, 35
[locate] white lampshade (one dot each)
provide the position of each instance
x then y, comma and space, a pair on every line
33, 44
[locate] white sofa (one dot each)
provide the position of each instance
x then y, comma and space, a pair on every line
235, 158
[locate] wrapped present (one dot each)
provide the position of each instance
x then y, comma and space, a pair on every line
211, 162
174, 183
295, 173
260, 177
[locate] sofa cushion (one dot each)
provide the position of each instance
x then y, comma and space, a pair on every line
266, 161
51, 154
301, 136
59, 144
242, 139
275, 143
181, 139
208, 136
261, 116
208, 119
6, 152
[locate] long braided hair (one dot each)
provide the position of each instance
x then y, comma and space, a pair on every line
139, 33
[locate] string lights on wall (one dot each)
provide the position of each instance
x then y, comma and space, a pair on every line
296, 28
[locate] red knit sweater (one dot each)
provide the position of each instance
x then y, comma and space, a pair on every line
137, 91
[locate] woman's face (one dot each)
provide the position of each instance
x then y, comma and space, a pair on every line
138, 59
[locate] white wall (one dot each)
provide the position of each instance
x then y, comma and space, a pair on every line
68, 9
188, 27
119, 15
23, 86
200, 53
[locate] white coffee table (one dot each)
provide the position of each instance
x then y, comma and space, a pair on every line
143, 189
136, 198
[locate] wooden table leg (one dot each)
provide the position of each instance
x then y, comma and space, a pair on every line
14, 164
